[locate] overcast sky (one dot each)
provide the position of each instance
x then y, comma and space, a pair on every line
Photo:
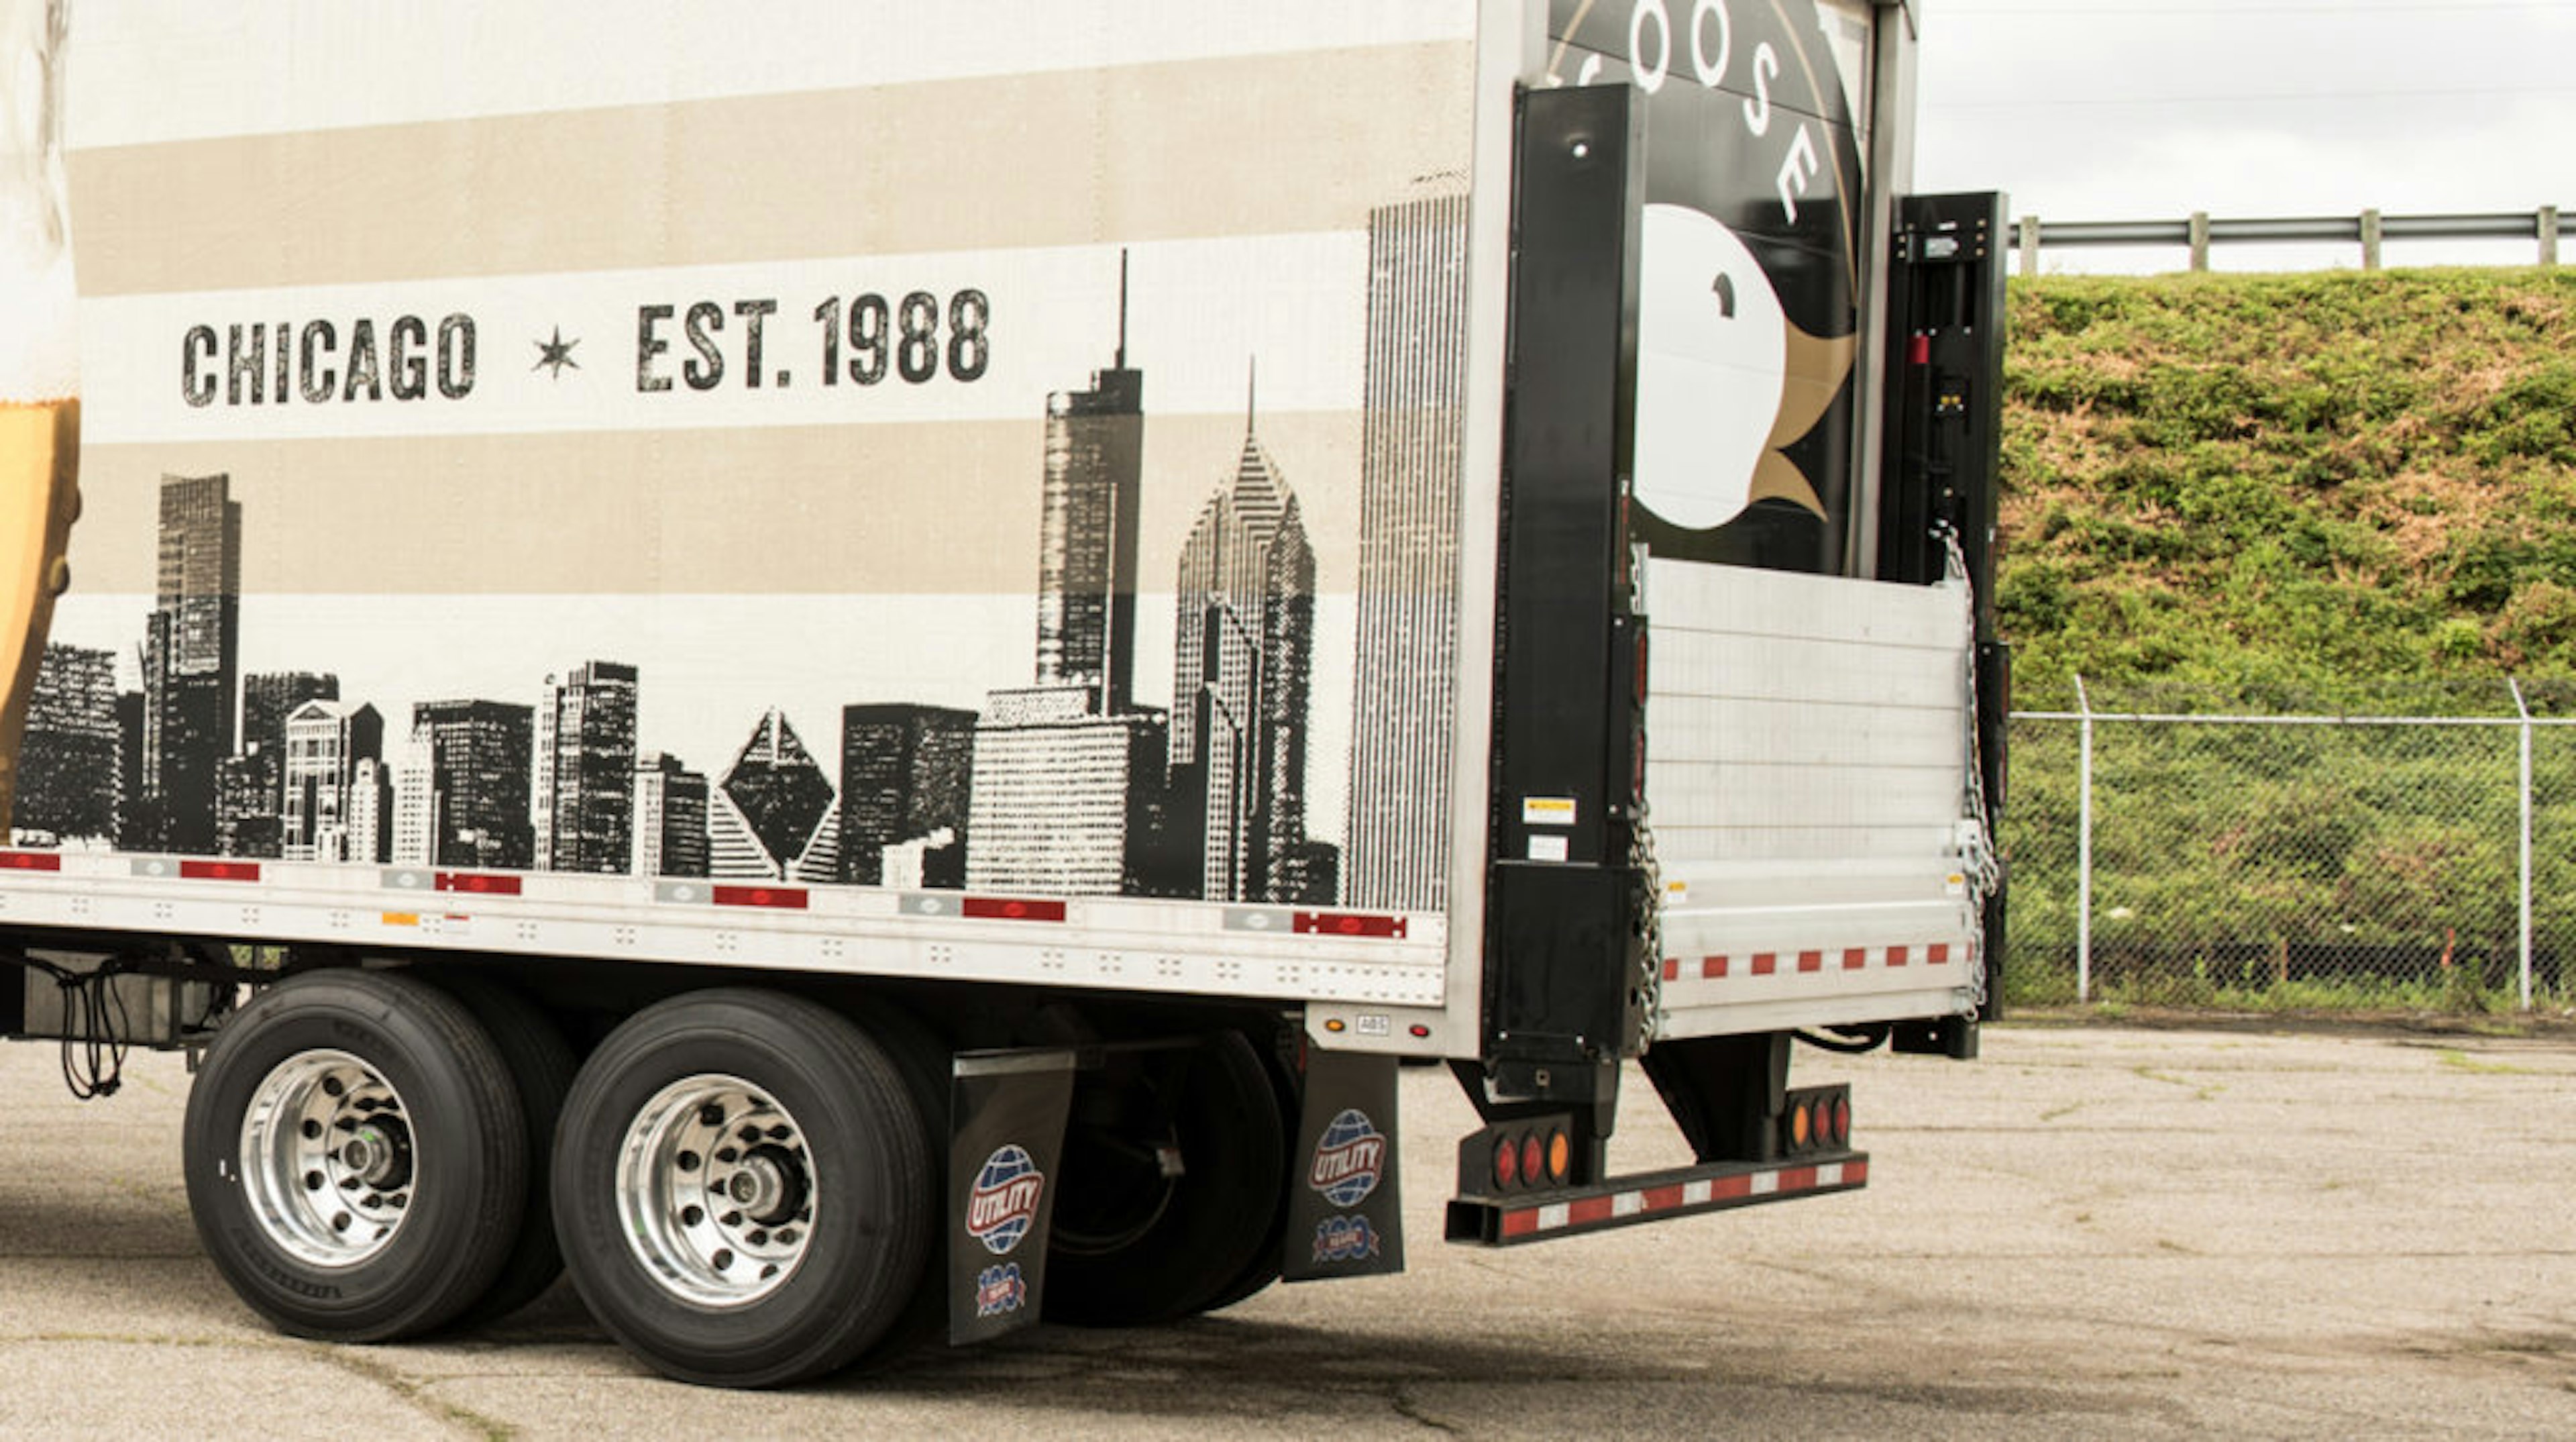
2131, 110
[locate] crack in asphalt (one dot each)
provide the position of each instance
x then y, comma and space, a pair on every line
413, 1392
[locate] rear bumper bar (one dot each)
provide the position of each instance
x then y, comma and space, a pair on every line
1507, 1221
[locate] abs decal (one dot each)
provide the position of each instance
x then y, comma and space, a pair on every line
1005, 1200
1348, 1159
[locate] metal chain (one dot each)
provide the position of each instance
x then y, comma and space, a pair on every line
1650, 923
1979, 863
1641, 856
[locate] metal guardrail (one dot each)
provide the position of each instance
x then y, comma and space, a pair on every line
2369, 229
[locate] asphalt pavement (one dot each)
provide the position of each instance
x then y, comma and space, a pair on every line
2091, 1232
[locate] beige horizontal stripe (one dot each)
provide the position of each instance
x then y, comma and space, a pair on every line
885, 509
1257, 145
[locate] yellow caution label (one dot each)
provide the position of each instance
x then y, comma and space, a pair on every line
1547, 811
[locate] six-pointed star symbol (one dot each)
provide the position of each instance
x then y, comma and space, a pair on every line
553, 355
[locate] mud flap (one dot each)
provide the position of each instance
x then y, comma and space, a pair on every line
1003, 1154
1345, 1211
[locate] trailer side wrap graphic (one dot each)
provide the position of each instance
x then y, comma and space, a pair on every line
1748, 302
1014, 452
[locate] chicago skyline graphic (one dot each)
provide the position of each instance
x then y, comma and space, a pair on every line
1061, 783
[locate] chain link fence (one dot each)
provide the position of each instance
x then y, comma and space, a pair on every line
2177, 849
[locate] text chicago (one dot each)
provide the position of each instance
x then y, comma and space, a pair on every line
319, 363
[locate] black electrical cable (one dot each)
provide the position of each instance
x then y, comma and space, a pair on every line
1850, 1041
95, 1024
101, 1046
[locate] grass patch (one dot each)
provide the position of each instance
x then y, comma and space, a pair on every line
2461, 1061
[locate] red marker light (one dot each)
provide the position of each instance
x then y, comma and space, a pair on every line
1003, 908
776, 898
219, 870
1347, 923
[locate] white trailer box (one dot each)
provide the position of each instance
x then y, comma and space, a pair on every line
1120, 539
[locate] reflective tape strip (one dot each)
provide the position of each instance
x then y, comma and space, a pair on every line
1808, 962
1638, 1202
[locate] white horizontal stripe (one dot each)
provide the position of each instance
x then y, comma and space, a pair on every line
166, 70
1627, 1204
1694, 1193
1201, 313
1765, 1183
1552, 1216
1830, 1176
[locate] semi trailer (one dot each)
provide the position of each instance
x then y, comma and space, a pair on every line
861, 671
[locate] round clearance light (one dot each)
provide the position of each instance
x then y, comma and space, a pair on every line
1533, 1160
1842, 1120
1507, 1164
1560, 1156
1801, 1127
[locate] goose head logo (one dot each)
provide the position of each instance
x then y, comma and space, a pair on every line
1726, 382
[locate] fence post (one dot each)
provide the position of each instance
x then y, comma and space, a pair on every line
2029, 245
2199, 240
2548, 235
2084, 853
2522, 707
2370, 240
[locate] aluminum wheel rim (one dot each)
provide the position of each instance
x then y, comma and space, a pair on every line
326, 1155
717, 1190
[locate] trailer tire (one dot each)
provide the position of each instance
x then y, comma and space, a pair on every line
1130, 1248
541, 1066
923, 1056
744, 1188
355, 1084
1263, 1269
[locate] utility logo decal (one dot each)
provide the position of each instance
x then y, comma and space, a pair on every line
1349, 1158
1005, 1200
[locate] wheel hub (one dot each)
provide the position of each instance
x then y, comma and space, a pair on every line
326, 1158
380, 1154
717, 1189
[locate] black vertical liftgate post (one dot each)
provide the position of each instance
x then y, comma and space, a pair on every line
1943, 469
1564, 954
